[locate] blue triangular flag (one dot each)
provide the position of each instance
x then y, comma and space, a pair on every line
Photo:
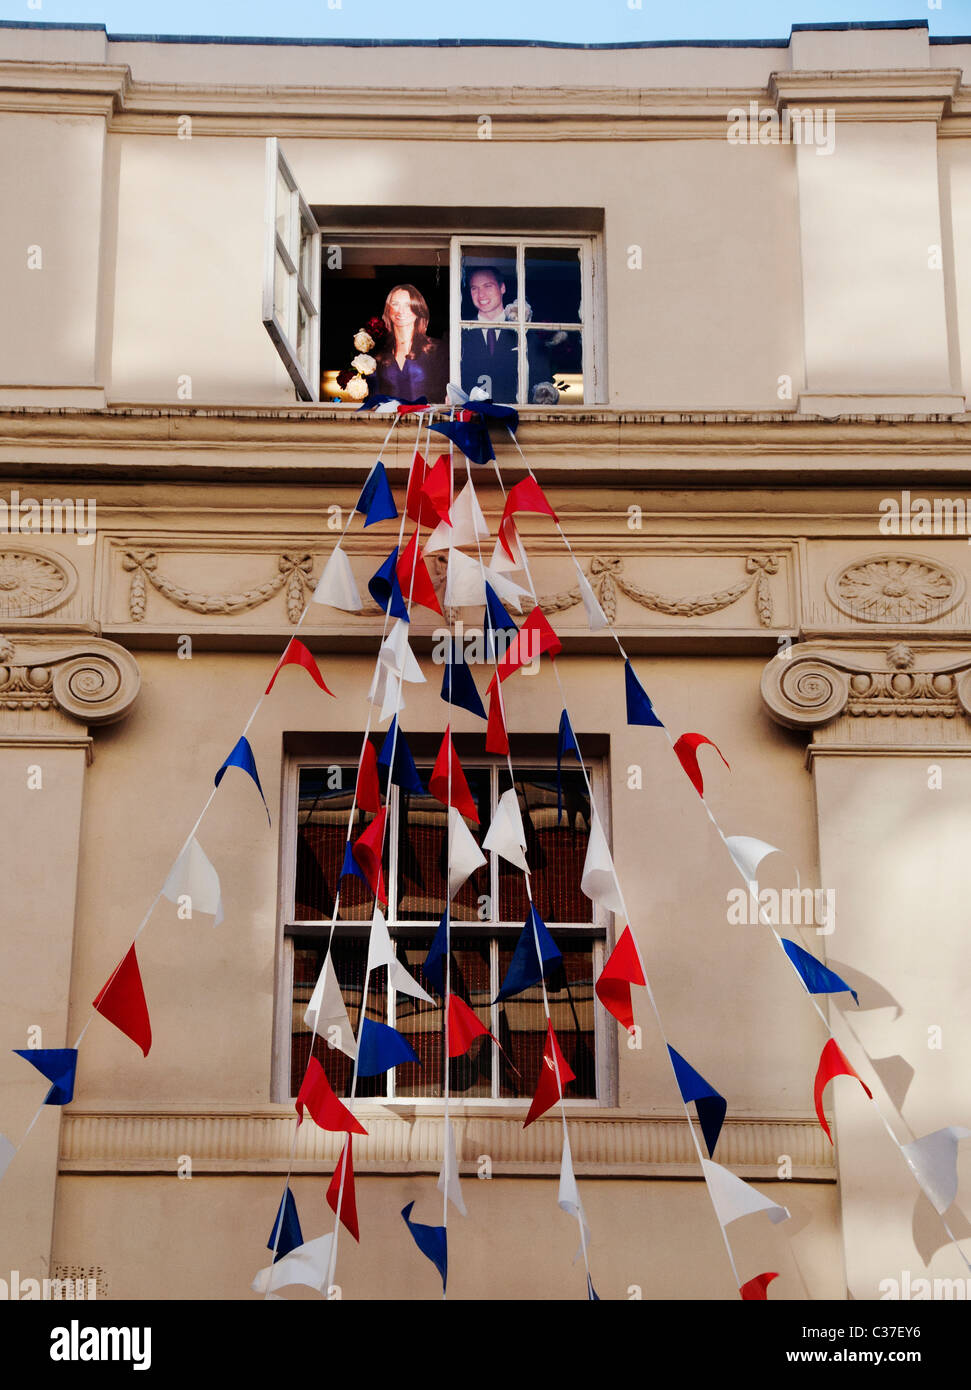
524, 969
817, 977
639, 707
566, 743
471, 436
405, 774
289, 1225
379, 1048
384, 588
496, 620
376, 501
434, 966
350, 864
710, 1105
458, 687
377, 399
505, 413
59, 1065
242, 757
432, 1241
592, 1295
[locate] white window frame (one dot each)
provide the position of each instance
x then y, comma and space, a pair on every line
598, 931
281, 321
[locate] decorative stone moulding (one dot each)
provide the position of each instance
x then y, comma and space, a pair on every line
33, 582
894, 588
92, 681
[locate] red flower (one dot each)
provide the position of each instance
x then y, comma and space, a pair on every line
376, 328
345, 375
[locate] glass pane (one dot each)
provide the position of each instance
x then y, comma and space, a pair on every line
554, 852
323, 807
349, 957
489, 283
306, 258
553, 284
555, 364
283, 200
471, 1075
422, 847
490, 360
522, 1024
303, 337
282, 289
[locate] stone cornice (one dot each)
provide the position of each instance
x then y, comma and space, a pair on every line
910, 94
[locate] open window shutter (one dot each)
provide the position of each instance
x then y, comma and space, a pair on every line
291, 275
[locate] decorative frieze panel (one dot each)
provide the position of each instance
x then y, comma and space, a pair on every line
906, 590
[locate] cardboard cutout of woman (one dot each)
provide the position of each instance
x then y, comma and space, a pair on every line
409, 363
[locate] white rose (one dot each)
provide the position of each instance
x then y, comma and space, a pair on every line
363, 341
363, 364
357, 388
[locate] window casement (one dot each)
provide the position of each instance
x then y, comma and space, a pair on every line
513, 297
487, 917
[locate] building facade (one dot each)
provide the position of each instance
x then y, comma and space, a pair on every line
748, 276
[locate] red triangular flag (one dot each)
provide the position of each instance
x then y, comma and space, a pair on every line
122, 1002
417, 586
297, 654
436, 490
832, 1063
547, 1090
418, 506
687, 750
496, 740
323, 1106
463, 1027
533, 639
348, 1201
367, 791
621, 970
367, 851
438, 781
526, 496
753, 1290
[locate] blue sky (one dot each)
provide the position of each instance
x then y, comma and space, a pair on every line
573, 21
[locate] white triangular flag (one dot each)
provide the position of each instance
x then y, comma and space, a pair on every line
468, 523
384, 692
465, 855
500, 560
193, 876
397, 656
454, 395
506, 834
506, 590
732, 1198
336, 585
568, 1196
448, 1178
464, 582
748, 854
598, 880
7, 1152
596, 617
380, 951
307, 1264
327, 1010
934, 1160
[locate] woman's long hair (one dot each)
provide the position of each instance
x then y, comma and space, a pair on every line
419, 307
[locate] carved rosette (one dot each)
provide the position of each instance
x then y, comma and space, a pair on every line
93, 682
33, 582
895, 589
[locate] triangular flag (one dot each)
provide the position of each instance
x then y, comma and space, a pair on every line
464, 581
448, 777
458, 687
432, 1241
597, 619
307, 1264
592, 1295
463, 1027
471, 436
710, 1105
484, 406
436, 488
506, 834
414, 579
242, 757
327, 1011
500, 559
639, 707
380, 1047
404, 774
350, 864
568, 1196
395, 655
448, 1178
621, 970
348, 1200
566, 743
367, 850
288, 1224
418, 506
497, 619
526, 496
532, 641
733, 1198
386, 689
323, 1106
497, 740
376, 502
336, 586
367, 789
686, 749
504, 589
525, 969
381, 951
832, 1063
434, 966
754, 1290
192, 876
122, 1002
598, 880
555, 1075
465, 856
817, 978
747, 853
59, 1065
297, 654
468, 524
384, 588
934, 1161
7, 1152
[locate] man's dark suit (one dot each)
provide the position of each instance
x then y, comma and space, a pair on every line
500, 366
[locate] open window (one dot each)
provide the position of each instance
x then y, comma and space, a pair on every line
291, 275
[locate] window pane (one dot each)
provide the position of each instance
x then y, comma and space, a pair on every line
490, 359
553, 283
306, 259
282, 290
283, 199
522, 1024
555, 363
303, 337
555, 853
350, 962
422, 847
489, 283
322, 814
471, 1075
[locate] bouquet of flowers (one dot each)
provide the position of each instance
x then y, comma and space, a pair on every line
353, 379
